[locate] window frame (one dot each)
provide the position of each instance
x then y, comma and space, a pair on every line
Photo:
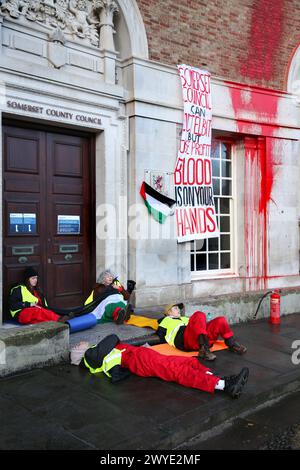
232, 271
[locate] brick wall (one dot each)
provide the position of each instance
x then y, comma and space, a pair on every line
249, 41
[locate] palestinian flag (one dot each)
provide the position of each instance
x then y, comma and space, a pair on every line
158, 205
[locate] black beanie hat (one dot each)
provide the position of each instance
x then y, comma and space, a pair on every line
29, 272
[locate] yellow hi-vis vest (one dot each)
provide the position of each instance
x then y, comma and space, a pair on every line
27, 296
172, 326
90, 298
111, 360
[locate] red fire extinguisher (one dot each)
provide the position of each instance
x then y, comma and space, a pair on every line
275, 307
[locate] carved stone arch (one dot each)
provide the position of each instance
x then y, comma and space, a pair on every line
293, 77
130, 38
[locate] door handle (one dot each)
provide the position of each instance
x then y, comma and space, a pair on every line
68, 257
22, 259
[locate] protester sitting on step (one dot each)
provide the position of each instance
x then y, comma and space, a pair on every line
28, 304
117, 360
112, 298
195, 333
113, 302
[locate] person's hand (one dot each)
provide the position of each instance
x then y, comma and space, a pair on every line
33, 304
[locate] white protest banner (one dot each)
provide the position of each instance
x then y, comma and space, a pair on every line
195, 208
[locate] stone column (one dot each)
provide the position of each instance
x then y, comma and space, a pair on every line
297, 91
108, 8
2, 92
1, 34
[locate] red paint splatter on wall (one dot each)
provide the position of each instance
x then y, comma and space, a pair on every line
255, 109
256, 112
264, 41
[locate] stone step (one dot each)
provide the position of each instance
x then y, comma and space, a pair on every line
27, 347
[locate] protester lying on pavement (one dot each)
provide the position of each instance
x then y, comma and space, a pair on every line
195, 333
118, 359
28, 304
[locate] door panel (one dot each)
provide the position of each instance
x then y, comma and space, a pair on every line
48, 174
65, 181
68, 278
23, 152
67, 158
24, 193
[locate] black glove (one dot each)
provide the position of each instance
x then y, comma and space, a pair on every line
130, 286
119, 373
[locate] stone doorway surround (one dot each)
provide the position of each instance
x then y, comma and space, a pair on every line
58, 67
293, 74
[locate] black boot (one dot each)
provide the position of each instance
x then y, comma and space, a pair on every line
234, 384
128, 311
120, 316
123, 314
234, 346
204, 351
65, 318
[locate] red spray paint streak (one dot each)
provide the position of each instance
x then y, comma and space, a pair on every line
255, 240
264, 40
256, 114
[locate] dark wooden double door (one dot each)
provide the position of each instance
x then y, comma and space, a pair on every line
48, 212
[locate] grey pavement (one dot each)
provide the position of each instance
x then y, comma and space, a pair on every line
64, 407
274, 427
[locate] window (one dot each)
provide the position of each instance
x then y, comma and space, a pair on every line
214, 255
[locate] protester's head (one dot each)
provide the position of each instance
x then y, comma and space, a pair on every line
106, 277
77, 352
30, 277
172, 310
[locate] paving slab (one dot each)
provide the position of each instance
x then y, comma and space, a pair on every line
29, 431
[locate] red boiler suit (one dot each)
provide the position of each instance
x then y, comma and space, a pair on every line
186, 371
213, 329
34, 315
